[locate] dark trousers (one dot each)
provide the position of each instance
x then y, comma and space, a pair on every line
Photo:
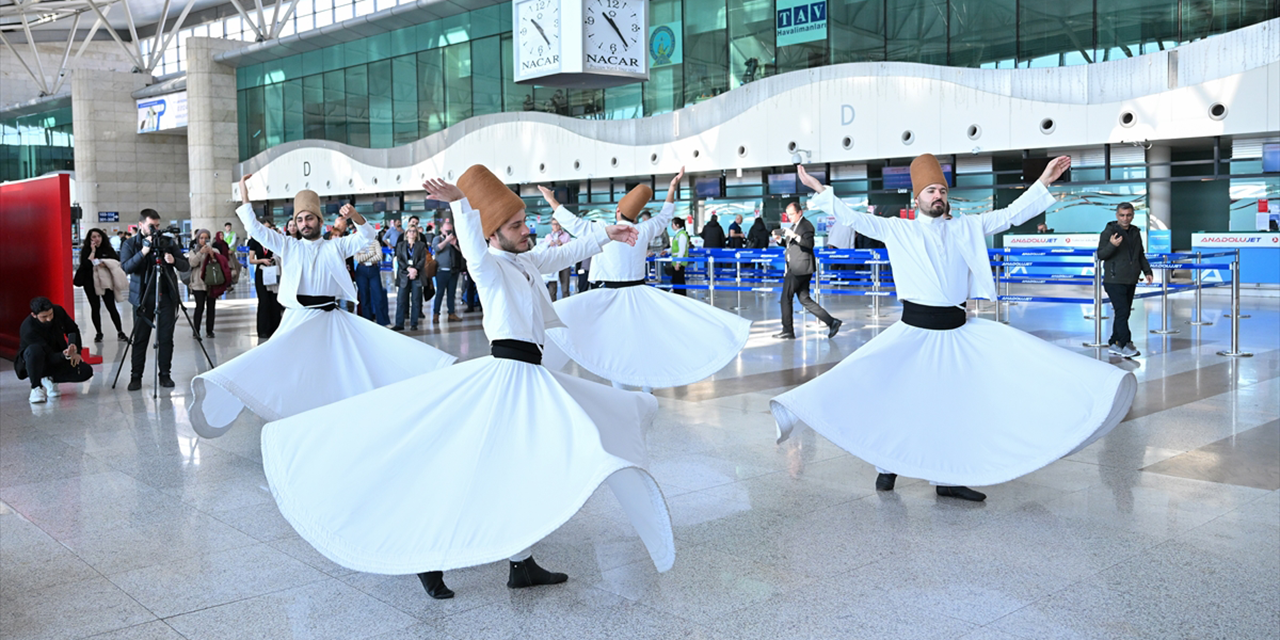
446, 287
204, 301
584, 277
96, 301
47, 362
269, 312
409, 303
142, 337
798, 286
1121, 296
677, 277
373, 298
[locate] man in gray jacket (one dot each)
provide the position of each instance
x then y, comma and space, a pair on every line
449, 263
1123, 262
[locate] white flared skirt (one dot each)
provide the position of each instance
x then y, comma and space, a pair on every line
463, 466
314, 358
644, 337
978, 405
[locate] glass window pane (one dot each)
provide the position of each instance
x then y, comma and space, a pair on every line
917, 31
623, 102
1203, 18
380, 129
586, 103
293, 111
335, 106
1123, 27
983, 32
457, 82
313, 107
751, 41
1047, 29
357, 79
515, 97
404, 99
706, 64
486, 80
663, 92
431, 110
256, 122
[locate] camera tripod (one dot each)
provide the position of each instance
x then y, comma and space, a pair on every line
156, 277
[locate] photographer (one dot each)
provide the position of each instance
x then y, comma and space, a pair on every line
137, 261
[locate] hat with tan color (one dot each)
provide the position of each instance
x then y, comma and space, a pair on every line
307, 201
486, 193
925, 171
630, 205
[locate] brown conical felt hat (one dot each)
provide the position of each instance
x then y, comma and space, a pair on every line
307, 201
630, 205
925, 171
495, 202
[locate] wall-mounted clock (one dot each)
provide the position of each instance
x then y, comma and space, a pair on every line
537, 30
580, 43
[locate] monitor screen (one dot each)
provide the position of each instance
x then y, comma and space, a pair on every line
708, 187
820, 175
900, 177
1033, 167
782, 183
1271, 158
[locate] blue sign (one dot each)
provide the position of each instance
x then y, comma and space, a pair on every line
1159, 241
664, 45
801, 21
108, 216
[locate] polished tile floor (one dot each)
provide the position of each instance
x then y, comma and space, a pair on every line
117, 522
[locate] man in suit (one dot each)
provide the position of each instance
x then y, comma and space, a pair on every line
136, 260
801, 264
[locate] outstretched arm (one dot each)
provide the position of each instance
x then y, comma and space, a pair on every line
351, 245
277, 242
468, 229
576, 226
825, 199
1030, 204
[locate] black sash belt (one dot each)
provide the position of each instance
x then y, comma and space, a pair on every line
323, 303
926, 317
516, 350
621, 284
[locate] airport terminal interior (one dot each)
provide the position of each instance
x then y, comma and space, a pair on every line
134, 514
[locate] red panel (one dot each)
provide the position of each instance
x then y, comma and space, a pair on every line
35, 251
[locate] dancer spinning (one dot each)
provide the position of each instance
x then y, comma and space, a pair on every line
478, 462
707, 340
938, 396
325, 350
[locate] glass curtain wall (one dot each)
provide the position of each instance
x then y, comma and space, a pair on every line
36, 144
394, 88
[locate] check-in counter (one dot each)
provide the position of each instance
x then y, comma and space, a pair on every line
1259, 253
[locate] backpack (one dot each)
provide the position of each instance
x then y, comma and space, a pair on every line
212, 275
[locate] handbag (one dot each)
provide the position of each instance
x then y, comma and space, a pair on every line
212, 274
270, 275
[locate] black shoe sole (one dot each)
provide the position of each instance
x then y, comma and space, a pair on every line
961, 493
885, 481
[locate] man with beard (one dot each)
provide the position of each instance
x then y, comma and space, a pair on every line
321, 352
476, 463
136, 260
49, 350
924, 388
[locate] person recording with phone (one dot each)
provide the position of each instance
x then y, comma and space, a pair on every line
137, 257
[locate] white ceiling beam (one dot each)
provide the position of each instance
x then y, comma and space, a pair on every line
66, 55
20, 59
177, 26
247, 20
293, 6
133, 29
262, 17
156, 49
35, 53
137, 62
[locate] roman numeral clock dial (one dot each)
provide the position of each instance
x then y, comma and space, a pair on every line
537, 37
614, 35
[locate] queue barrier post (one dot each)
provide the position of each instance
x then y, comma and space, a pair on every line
1235, 314
1235, 275
1196, 318
737, 279
875, 289
1097, 305
711, 278
1164, 329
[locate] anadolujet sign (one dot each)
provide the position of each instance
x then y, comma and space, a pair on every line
1236, 240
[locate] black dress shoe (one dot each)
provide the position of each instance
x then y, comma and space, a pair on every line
97, 338
785, 335
527, 573
835, 326
208, 334
135, 384
399, 328
122, 336
963, 493
433, 582
166, 381
884, 481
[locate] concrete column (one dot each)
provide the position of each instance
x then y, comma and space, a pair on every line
1159, 194
213, 146
117, 168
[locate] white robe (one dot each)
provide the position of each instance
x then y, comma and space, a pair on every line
978, 405
474, 463
315, 357
641, 336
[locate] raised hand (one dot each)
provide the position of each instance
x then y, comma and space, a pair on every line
808, 180
674, 186
1116, 239
622, 233
346, 210
549, 196
438, 189
1055, 169
244, 187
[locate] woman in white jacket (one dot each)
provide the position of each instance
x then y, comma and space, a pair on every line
102, 279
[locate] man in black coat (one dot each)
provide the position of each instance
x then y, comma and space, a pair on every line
712, 234
49, 350
801, 265
137, 261
1123, 262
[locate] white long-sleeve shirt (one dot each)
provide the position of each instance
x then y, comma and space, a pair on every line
516, 304
939, 262
309, 267
619, 261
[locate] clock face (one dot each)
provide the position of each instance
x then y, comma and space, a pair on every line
614, 34
537, 36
